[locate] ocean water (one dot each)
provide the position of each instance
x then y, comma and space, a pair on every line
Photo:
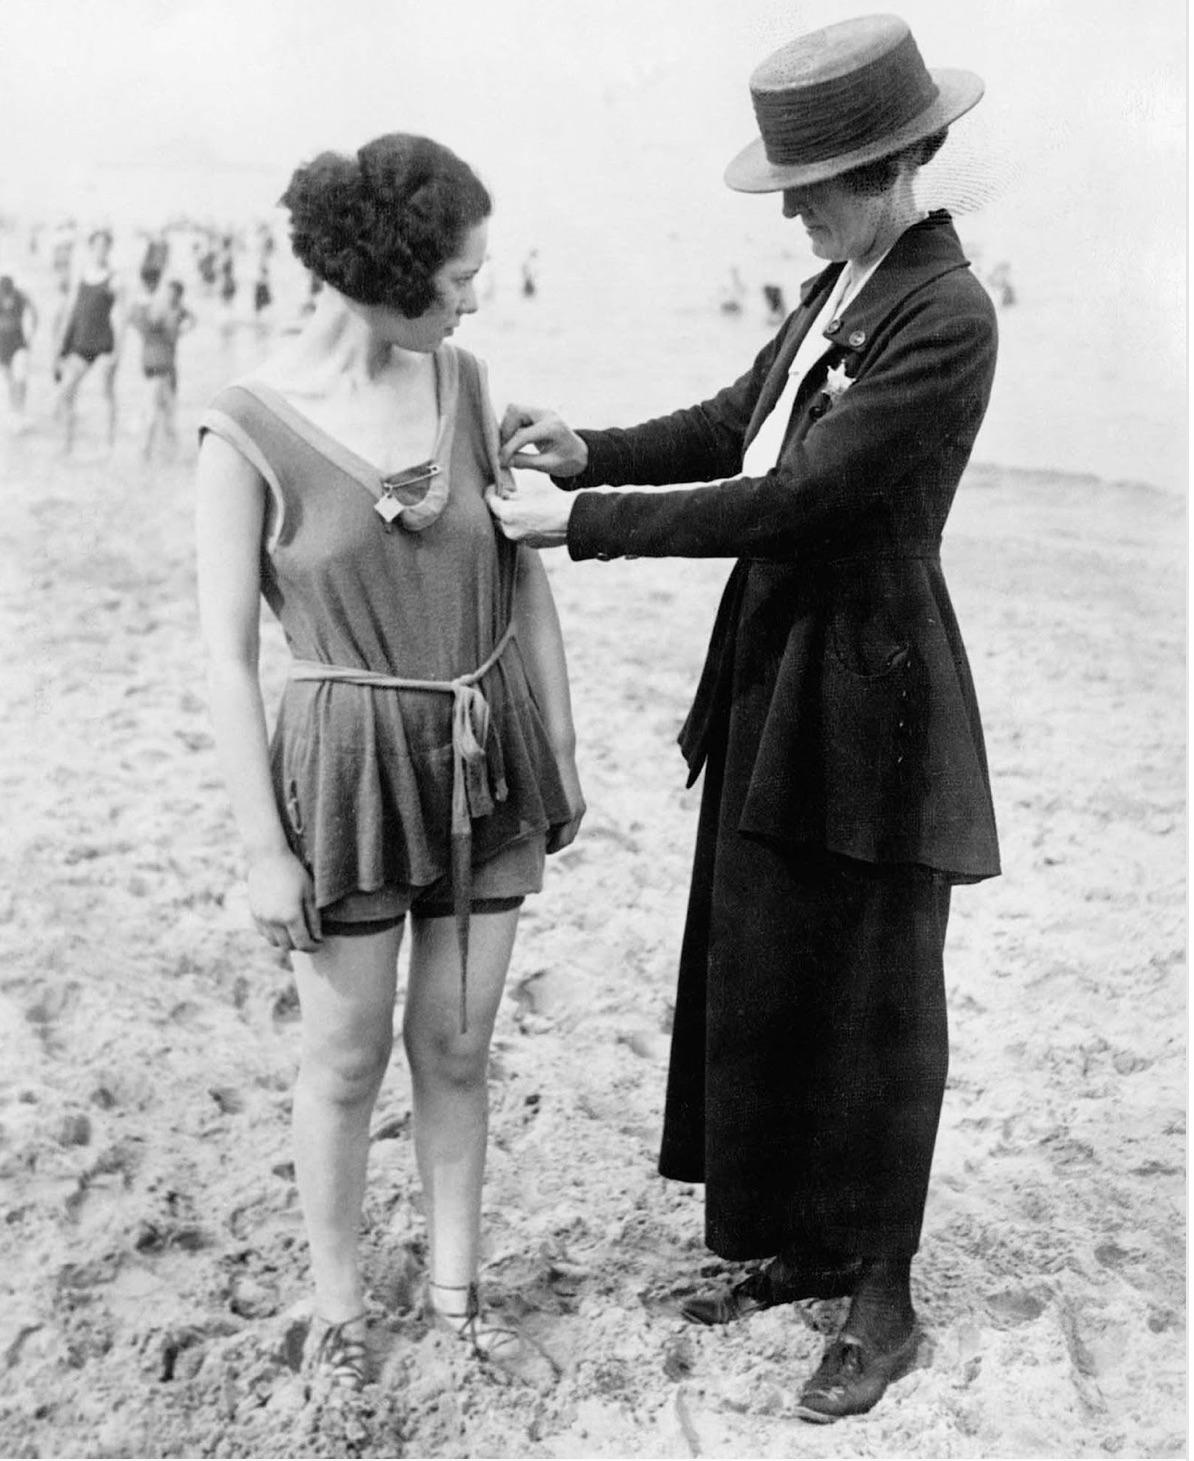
604, 141
1092, 366
635, 248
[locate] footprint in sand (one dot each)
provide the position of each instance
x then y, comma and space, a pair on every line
1015, 1306
47, 1011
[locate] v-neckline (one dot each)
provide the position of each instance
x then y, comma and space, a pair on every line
339, 453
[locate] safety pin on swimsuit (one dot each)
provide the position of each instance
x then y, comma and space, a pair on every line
390, 505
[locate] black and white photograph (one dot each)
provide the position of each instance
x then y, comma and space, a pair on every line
594, 741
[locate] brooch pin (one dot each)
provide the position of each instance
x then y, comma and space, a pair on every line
398, 494
837, 383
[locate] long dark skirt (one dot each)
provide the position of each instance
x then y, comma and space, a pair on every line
810, 1046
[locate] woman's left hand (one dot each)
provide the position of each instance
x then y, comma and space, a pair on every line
559, 837
537, 514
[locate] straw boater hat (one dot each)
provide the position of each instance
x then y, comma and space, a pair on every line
840, 97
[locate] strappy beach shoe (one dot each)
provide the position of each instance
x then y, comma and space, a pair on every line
490, 1343
342, 1355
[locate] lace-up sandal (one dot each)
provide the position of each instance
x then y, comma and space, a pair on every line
490, 1343
342, 1355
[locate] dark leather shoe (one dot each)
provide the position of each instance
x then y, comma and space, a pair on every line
852, 1376
760, 1290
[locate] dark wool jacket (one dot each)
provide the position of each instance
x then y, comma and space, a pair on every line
835, 656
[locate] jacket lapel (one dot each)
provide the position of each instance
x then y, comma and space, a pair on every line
922, 254
813, 294
912, 263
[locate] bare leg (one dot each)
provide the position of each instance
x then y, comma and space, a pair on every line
19, 384
108, 379
169, 401
346, 990
151, 427
157, 416
451, 1097
74, 368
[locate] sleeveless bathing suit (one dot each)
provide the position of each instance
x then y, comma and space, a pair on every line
12, 326
89, 334
369, 775
159, 337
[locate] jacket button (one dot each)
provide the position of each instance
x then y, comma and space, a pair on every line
857, 338
833, 326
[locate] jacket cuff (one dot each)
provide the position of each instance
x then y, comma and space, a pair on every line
590, 527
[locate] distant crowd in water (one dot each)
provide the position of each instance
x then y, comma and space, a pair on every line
63, 279
89, 307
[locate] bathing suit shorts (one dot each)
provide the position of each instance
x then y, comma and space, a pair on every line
498, 885
169, 371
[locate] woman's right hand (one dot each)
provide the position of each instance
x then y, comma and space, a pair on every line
282, 902
558, 449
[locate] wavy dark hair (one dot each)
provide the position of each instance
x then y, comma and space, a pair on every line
873, 178
379, 225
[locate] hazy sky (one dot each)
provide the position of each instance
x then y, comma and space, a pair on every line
540, 94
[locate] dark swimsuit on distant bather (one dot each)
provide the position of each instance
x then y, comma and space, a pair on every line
89, 334
12, 325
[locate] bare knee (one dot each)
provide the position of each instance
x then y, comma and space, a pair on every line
345, 1074
448, 1058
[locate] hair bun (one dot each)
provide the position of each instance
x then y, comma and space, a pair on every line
332, 176
377, 226
397, 164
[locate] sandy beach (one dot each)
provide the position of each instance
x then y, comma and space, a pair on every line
153, 1295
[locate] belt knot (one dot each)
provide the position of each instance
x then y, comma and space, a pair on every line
474, 793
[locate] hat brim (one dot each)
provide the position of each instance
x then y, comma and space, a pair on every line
752, 172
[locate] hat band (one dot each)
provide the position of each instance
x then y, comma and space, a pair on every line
830, 118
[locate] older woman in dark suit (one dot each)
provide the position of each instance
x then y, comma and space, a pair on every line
846, 785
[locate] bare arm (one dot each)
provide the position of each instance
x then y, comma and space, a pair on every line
230, 514
542, 647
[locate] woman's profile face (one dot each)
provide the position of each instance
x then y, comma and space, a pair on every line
455, 281
840, 224
456, 297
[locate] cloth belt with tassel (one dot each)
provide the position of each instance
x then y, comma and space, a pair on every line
472, 793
